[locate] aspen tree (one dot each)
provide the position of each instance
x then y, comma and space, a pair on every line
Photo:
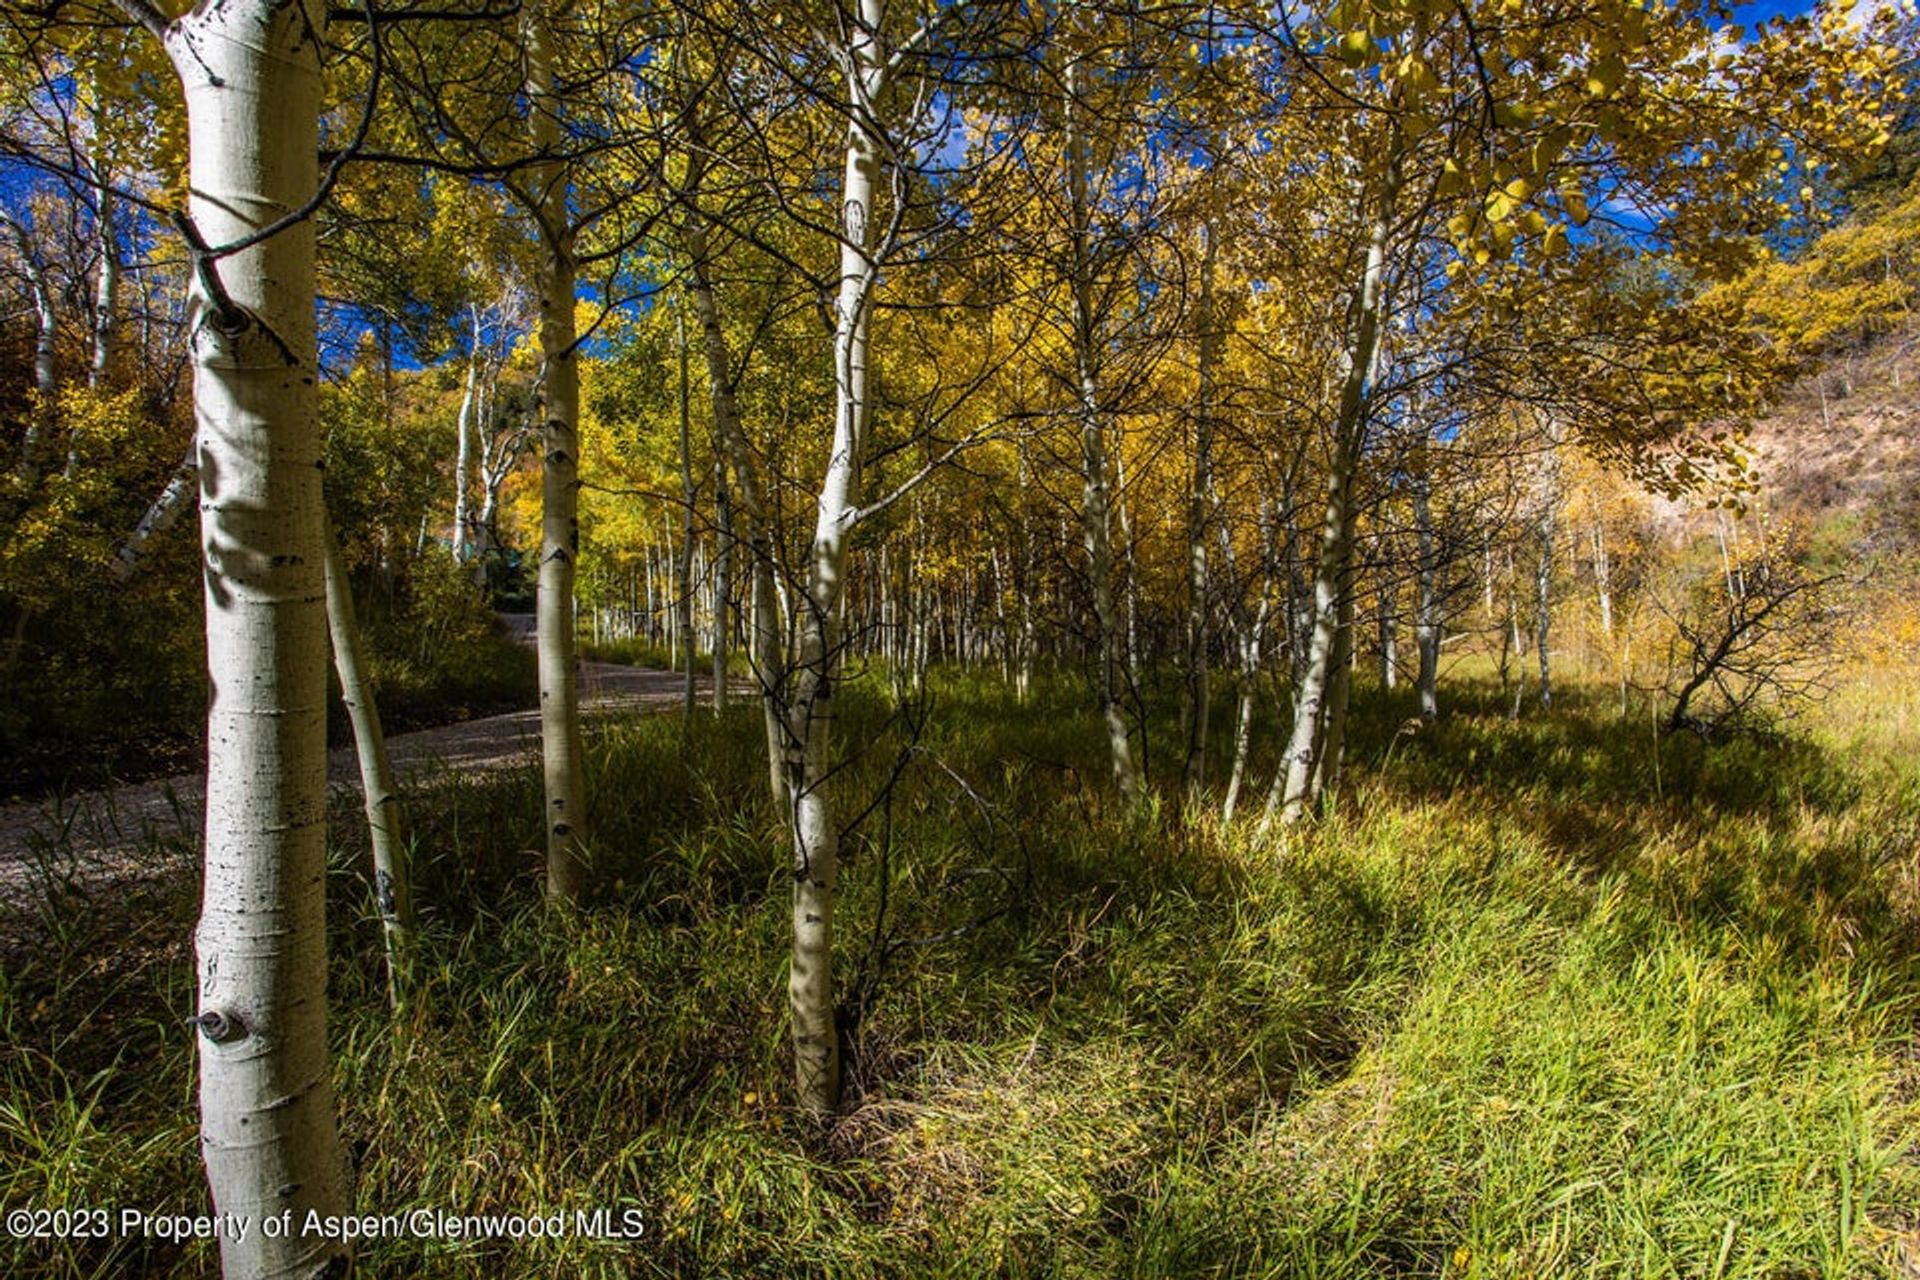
380, 794
1096, 498
816, 851
563, 757
683, 567
250, 70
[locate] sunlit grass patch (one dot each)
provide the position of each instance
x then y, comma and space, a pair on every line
1511, 1008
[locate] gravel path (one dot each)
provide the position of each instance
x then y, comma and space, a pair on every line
95, 832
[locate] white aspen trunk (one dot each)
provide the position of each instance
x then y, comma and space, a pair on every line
889, 650
161, 515
386, 825
1249, 644
1726, 555
1023, 681
722, 583
1000, 616
1199, 504
1486, 578
919, 640
1513, 645
1247, 635
697, 578
652, 606
562, 754
46, 358
106, 288
1546, 529
1332, 753
683, 584
46, 351
1426, 624
1129, 580
1603, 579
669, 606
816, 1046
1389, 640
1295, 783
1095, 495
464, 427
1543, 604
492, 476
251, 75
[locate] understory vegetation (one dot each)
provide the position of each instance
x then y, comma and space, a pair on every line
119, 683
1554, 996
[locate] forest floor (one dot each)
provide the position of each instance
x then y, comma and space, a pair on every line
1547, 996
104, 833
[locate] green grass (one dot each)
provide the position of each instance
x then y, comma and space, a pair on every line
637, 651
1514, 1008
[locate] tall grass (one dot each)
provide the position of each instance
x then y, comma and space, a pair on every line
1520, 1005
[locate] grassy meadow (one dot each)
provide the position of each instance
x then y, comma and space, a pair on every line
1540, 997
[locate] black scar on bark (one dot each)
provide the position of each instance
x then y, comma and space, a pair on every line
220, 1026
383, 893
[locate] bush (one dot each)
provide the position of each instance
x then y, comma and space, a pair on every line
438, 653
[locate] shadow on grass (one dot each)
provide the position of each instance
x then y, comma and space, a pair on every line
1057, 999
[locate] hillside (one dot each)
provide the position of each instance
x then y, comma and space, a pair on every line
1857, 456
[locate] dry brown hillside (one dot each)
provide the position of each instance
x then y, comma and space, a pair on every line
1845, 442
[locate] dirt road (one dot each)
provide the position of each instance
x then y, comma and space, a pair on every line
100, 828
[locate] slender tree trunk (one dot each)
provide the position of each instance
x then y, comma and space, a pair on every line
1024, 583
161, 515
1000, 617
683, 576
652, 601
251, 76
464, 426
1486, 579
669, 599
1247, 687
1514, 645
1602, 579
386, 824
1332, 753
1249, 639
1426, 625
764, 649
1389, 639
106, 289
1543, 604
722, 583
46, 358
1095, 502
1199, 509
1722, 535
1129, 580
562, 753
1293, 789
816, 834
491, 478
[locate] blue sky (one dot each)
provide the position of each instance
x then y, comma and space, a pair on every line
1751, 15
